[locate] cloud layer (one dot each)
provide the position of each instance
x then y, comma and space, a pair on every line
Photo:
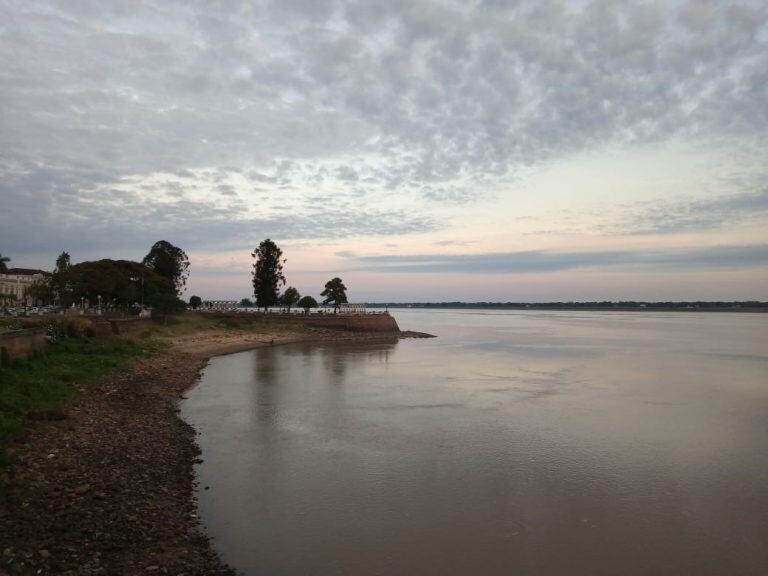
536, 261
217, 124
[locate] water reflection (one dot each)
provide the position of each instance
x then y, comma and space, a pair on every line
622, 445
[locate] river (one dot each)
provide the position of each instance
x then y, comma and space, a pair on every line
517, 442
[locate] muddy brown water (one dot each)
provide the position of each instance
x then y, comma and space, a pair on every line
515, 443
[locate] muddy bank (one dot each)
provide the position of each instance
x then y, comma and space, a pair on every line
106, 486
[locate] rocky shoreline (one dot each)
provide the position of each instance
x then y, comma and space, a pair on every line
106, 487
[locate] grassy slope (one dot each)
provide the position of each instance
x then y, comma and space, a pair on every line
47, 381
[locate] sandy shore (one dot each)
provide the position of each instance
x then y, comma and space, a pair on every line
107, 486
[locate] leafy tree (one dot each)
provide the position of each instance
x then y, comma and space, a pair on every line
246, 303
3, 261
307, 302
195, 302
169, 261
267, 273
335, 292
290, 297
117, 282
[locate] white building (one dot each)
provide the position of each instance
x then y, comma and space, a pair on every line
14, 283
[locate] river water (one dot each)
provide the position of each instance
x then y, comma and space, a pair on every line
514, 443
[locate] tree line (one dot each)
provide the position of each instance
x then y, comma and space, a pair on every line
267, 278
161, 277
158, 280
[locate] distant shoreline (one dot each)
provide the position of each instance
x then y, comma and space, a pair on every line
566, 308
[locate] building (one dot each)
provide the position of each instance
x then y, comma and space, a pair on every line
13, 285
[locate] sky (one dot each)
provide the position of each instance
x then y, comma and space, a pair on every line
422, 150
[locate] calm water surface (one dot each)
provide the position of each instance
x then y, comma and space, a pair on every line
515, 443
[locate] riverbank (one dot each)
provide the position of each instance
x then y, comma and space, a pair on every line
105, 486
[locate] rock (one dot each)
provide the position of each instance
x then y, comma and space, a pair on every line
45, 553
80, 490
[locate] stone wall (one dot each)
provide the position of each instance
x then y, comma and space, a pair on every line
20, 344
379, 322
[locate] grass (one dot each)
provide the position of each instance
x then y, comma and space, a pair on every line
46, 381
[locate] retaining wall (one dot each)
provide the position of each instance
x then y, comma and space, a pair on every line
20, 344
380, 322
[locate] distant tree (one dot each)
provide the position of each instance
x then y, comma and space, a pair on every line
335, 292
246, 303
169, 261
61, 280
195, 302
40, 291
290, 297
3, 261
307, 302
267, 273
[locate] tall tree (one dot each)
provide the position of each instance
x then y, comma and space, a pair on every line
290, 297
3, 261
61, 279
335, 292
267, 273
169, 261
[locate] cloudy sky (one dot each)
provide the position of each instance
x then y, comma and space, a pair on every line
420, 149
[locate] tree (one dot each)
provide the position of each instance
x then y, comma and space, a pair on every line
118, 282
61, 280
169, 261
290, 297
40, 291
267, 273
307, 302
335, 292
3, 261
195, 302
246, 303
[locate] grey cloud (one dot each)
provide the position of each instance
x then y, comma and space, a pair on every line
552, 261
434, 94
691, 214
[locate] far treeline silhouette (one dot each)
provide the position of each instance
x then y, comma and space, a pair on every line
704, 305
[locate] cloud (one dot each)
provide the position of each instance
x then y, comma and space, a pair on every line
552, 261
691, 214
334, 112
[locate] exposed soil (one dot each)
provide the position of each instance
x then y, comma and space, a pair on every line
106, 486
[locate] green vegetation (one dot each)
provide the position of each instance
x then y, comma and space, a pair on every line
195, 302
3, 263
290, 297
47, 381
267, 273
307, 302
169, 261
335, 292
